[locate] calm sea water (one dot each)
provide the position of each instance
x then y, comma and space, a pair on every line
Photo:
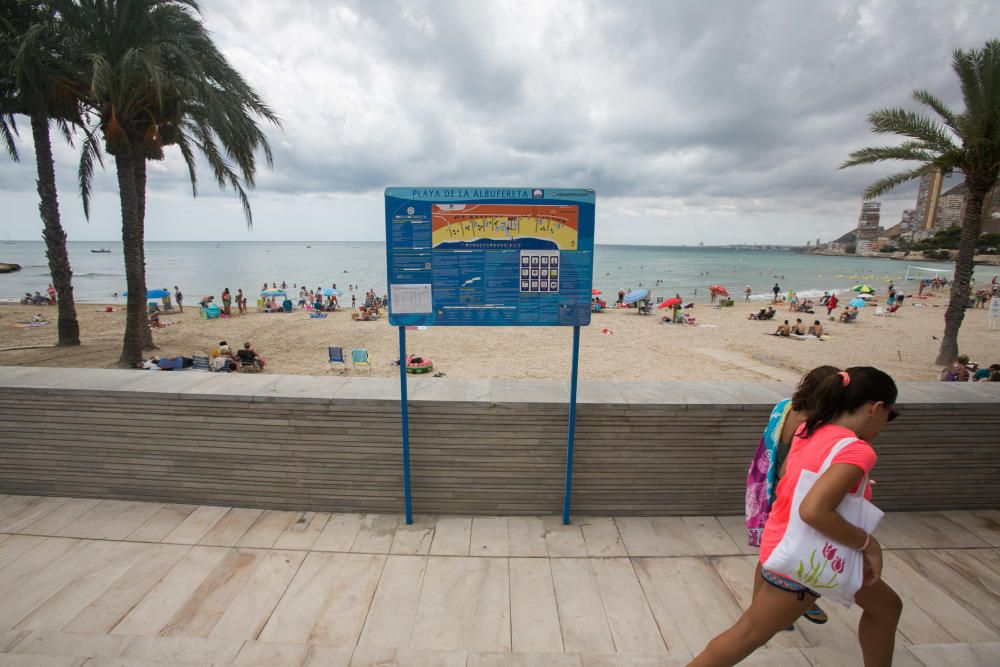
201, 268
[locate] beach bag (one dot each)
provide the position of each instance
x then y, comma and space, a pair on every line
832, 569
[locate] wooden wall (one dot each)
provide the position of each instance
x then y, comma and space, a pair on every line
477, 447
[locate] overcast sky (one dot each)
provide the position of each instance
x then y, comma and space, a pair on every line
721, 122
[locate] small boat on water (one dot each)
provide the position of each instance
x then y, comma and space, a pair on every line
100, 250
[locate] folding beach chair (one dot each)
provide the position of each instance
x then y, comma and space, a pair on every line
201, 363
336, 354
360, 357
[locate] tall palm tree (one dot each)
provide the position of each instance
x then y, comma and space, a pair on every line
35, 81
967, 141
155, 79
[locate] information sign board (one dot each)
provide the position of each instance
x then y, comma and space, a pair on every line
475, 256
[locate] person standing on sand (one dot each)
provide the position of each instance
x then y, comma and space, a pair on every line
849, 410
621, 297
746, 294
831, 304
239, 302
227, 300
179, 298
777, 291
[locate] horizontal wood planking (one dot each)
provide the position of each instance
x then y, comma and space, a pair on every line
467, 457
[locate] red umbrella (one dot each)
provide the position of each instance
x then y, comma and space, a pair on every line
719, 289
670, 302
594, 292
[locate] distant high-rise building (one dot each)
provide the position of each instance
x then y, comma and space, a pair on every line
868, 228
907, 220
927, 200
951, 206
817, 241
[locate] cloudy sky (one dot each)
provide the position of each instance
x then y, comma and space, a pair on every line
721, 122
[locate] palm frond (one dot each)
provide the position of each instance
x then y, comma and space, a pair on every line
908, 151
940, 108
910, 124
90, 151
884, 185
8, 130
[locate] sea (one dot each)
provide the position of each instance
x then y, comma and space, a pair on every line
202, 268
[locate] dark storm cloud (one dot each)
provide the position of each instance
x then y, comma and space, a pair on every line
717, 106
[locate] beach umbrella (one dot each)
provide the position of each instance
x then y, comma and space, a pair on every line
674, 301
863, 289
273, 292
594, 292
857, 303
329, 291
719, 289
153, 293
636, 295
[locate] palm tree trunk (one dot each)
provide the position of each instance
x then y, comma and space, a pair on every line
53, 233
971, 224
136, 324
139, 167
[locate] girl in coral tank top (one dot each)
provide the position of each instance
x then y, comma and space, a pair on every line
856, 403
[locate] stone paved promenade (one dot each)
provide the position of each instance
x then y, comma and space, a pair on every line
90, 582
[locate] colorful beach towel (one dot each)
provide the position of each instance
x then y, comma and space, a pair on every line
764, 473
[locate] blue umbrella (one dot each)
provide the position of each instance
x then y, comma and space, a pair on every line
153, 293
857, 303
273, 292
636, 295
330, 292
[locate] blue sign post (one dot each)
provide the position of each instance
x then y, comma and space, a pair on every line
473, 256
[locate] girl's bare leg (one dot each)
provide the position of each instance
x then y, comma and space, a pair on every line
758, 580
772, 610
877, 628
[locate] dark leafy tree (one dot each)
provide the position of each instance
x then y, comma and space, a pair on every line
155, 79
37, 81
966, 141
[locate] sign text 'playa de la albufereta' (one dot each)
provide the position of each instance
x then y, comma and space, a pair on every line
475, 256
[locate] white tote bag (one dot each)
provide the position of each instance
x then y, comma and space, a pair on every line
805, 555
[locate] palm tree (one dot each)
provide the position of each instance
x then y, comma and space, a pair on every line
967, 141
155, 79
35, 81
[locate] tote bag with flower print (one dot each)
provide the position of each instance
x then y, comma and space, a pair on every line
832, 569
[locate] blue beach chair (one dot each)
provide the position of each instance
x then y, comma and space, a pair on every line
360, 357
336, 354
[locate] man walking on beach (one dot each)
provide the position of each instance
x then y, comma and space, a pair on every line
746, 294
240, 306
179, 298
776, 290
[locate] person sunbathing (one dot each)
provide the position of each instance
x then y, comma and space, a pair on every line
783, 330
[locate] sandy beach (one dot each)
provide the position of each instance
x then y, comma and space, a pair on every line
723, 345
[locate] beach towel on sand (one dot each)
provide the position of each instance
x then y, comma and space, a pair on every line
763, 473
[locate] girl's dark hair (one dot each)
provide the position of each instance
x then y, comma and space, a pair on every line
803, 398
835, 395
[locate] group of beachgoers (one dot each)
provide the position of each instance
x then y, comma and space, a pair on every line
50, 298
273, 299
963, 370
824, 432
221, 359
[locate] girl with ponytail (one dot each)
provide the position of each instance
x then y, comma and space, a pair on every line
853, 405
